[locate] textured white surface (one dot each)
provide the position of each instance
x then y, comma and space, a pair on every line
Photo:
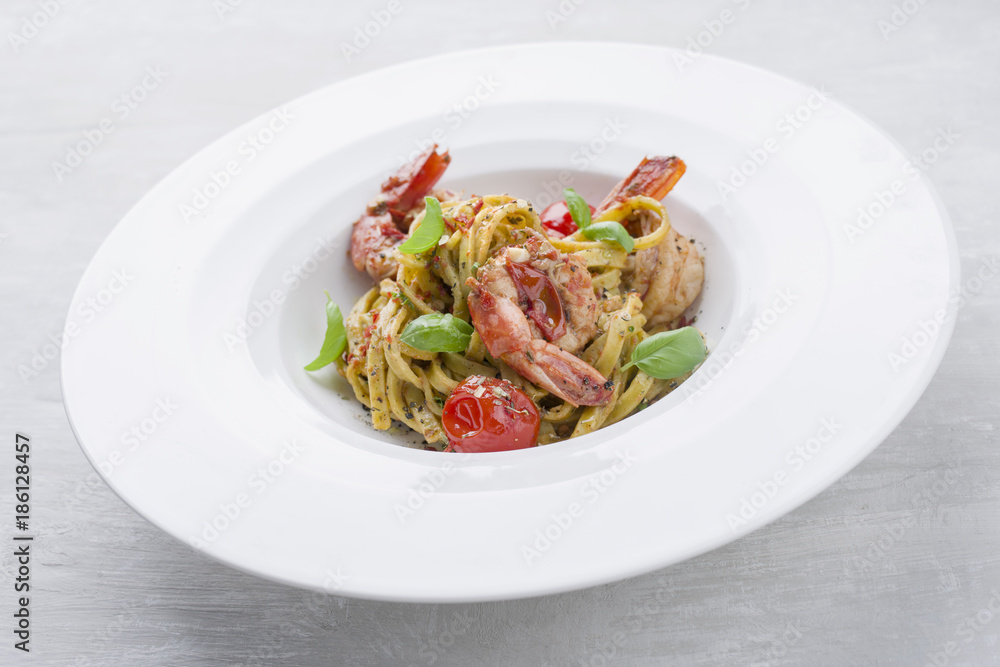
883, 568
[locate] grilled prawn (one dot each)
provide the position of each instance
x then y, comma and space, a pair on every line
669, 276
382, 227
534, 308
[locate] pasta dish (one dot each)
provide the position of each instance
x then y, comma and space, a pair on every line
493, 326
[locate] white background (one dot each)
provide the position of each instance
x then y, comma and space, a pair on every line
869, 572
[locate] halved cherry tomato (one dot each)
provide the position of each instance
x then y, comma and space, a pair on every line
484, 414
558, 219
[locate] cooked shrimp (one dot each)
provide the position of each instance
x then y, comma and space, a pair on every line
534, 307
381, 229
669, 276
654, 177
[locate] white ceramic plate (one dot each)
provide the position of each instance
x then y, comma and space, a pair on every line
222, 440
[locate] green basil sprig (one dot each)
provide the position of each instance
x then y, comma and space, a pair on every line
429, 232
607, 230
578, 208
438, 332
335, 340
669, 354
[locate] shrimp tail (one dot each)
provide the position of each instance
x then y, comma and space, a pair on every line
382, 227
414, 180
561, 373
654, 177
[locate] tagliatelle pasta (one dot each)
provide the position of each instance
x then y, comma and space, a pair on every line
409, 385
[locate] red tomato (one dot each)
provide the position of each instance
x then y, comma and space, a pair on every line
544, 306
489, 415
557, 218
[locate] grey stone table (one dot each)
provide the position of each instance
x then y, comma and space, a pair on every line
898, 563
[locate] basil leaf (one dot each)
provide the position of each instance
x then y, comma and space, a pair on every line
429, 232
335, 340
438, 332
578, 208
669, 354
610, 230
598, 231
